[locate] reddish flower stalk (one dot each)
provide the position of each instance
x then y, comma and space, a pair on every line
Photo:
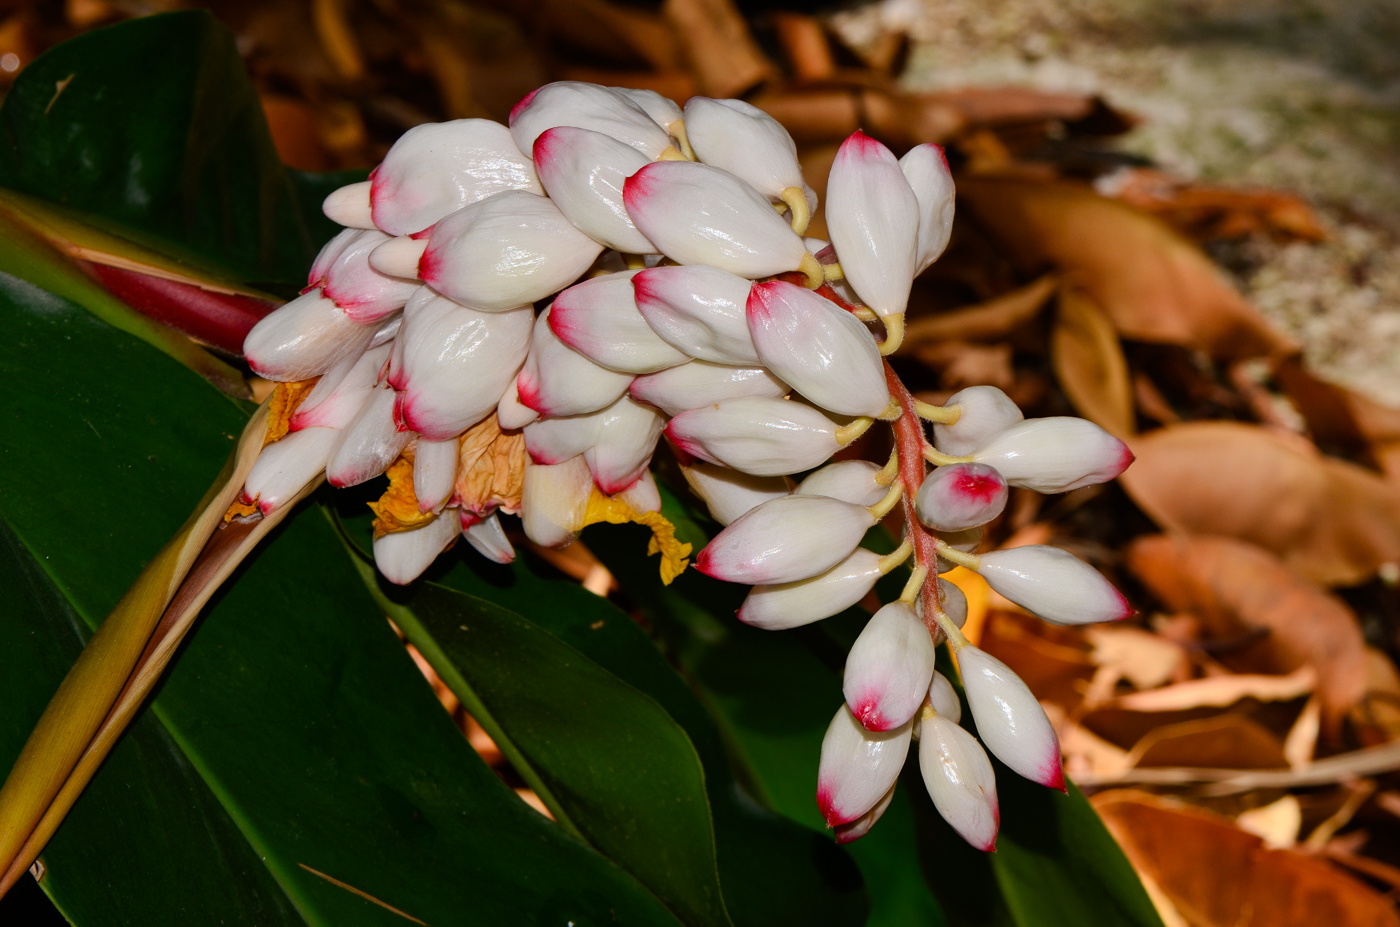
909, 442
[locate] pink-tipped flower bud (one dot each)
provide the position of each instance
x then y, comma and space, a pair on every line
1054, 585
303, 339
943, 698
558, 438
488, 538
926, 169
435, 169
848, 480
341, 392
984, 412
699, 310
873, 218
1055, 454
960, 780
434, 472
696, 214
1009, 719
642, 496
662, 110
889, 668
858, 767
627, 433
510, 411
961, 496
369, 443
363, 293
790, 605
764, 437
742, 139
399, 257
557, 380
554, 501
349, 206
820, 349
785, 540
456, 364
402, 556
284, 467
583, 172
727, 493
954, 602
599, 319
700, 383
505, 251
848, 833
586, 106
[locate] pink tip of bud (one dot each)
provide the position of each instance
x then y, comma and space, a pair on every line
516, 110
691, 450
403, 413
545, 148
246, 499
702, 562
423, 233
978, 486
430, 266
861, 144
1054, 778
1125, 459
528, 389
266, 507
826, 798
867, 711
636, 188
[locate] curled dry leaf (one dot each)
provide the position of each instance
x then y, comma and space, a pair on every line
1145, 659
990, 321
1228, 741
1330, 521
1341, 417
1229, 878
1234, 587
1220, 691
1089, 363
1154, 285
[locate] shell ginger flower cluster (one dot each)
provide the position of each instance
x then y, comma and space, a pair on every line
514, 316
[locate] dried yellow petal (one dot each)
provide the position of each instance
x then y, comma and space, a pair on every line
490, 469
285, 399
674, 554
397, 509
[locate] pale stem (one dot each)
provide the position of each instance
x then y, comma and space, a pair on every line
943, 415
882, 508
940, 459
856, 427
897, 556
796, 200
891, 470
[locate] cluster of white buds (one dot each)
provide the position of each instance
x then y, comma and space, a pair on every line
513, 317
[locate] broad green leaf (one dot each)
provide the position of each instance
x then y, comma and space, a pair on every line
293, 701
153, 129
144, 809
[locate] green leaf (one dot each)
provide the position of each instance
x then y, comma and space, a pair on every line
153, 128
293, 701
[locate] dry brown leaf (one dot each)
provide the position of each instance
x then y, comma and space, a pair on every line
1089, 363
1220, 691
1342, 417
1330, 521
1235, 587
989, 321
1145, 659
1229, 741
627, 35
716, 41
1377, 718
1218, 875
1154, 285
1276, 823
805, 45
1205, 211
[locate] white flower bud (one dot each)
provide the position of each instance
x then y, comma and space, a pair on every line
662, 110
586, 106
402, 556
627, 433
1055, 454
369, 443
434, 472
785, 540
505, 251
435, 169
961, 496
488, 538
820, 349
789, 605
700, 310
554, 501
341, 392
284, 467
848, 480
873, 219
889, 668
387, 330
926, 169
985, 412
363, 293
1054, 585
765, 437
847, 833
599, 319
303, 339
399, 257
457, 363
349, 206
954, 602
1009, 719
557, 380
858, 767
729, 493
745, 141
943, 698
960, 780
696, 214
510, 411
583, 172
700, 383
557, 438
641, 496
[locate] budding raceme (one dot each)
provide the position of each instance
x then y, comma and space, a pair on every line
599, 319
786, 539
889, 668
1055, 454
1010, 721
858, 767
961, 496
763, 437
700, 310
701, 383
1054, 585
873, 218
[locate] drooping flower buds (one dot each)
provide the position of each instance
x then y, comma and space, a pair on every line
848, 480
583, 172
727, 493
586, 106
368, 444
786, 539
1009, 719
363, 293
1055, 454
790, 605
402, 556
1053, 584
599, 319
283, 468
873, 218
700, 383
745, 141
304, 338
889, 668
961, 496
557, 380
765, 437
926, 169
700, 310
858, 767
960, 780
985, 412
